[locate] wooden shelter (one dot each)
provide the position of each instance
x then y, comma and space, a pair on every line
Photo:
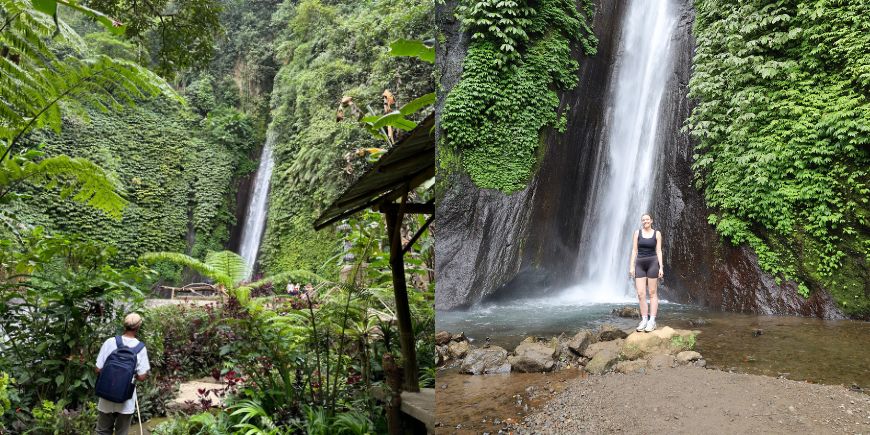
385, 188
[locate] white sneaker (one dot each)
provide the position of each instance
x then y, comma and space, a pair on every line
642, 325
650, 326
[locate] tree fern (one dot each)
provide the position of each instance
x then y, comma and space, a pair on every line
38, 88
228, 264
189, 262
76, 178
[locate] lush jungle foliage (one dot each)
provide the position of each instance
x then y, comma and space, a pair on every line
519, 57
783, 120
99, 163
330, 50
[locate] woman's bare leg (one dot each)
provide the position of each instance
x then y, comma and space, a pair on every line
653, 296
640, 285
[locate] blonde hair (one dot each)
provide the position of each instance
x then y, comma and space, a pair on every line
132, 322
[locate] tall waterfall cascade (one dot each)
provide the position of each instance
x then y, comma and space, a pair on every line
625, 171
255, 217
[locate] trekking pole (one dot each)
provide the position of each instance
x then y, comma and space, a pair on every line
138, 414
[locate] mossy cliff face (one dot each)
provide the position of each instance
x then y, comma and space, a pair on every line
494, 245
489, 241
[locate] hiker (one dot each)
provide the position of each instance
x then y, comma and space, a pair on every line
646, 268
123, 357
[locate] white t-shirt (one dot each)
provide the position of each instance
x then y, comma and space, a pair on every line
142, 367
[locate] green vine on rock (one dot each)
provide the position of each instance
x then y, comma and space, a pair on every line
783, 124
519, 57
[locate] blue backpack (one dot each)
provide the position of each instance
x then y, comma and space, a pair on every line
115, 382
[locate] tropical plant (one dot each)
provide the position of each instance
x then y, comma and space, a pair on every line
58, 300
45, 74
376, 124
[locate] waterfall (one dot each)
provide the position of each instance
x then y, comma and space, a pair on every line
625, 171
255, 217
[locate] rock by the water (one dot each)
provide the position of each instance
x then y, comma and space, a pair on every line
580, 341
602, 362
442, 338
533, 356
697, 322
441, 355
640, 344
609, 332
637, 366
459, 337
457, 349
486, 361
660, 361
594, 348
629, 312
688, 356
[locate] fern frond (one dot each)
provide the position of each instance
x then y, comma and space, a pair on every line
229, 264
186, 261
78, 178
292, 275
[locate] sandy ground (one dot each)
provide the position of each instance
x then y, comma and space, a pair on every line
696, 400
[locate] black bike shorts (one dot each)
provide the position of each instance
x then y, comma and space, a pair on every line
646, 267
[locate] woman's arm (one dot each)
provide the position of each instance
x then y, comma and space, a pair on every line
633, 255
659, 253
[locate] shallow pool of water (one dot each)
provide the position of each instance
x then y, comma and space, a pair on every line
798, 348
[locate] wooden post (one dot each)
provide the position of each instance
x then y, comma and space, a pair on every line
393, 394
400, 290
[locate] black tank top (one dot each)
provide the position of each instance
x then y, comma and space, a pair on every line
646, 247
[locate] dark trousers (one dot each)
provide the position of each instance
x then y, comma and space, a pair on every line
113, 423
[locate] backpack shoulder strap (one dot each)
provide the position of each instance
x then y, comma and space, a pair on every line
119, 342
138, 348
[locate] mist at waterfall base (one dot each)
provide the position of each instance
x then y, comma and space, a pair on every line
255, 217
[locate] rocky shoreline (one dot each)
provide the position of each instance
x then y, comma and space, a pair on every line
613, 380
597, 352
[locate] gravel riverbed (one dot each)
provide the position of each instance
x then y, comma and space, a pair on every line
696, 400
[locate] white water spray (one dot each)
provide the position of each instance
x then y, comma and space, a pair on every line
255, 218
623, 185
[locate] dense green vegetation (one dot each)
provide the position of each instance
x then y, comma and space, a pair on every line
102, 161
519, 57
329, 51
784, 125
177, 184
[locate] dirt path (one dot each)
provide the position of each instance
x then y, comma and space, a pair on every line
696, 400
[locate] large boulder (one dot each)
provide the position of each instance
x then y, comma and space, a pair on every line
580, 341
442, 338
662, 340
486, 361
629, 312
457, 349
603, 361
441, 355
661, 361
534, 356
609, 332
688, 356
594, 348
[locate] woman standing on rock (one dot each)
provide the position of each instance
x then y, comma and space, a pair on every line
646, 268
